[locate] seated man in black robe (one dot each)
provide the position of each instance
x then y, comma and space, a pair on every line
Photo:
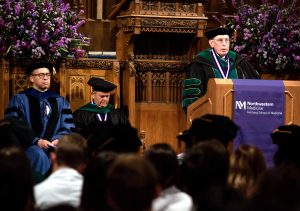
98, 116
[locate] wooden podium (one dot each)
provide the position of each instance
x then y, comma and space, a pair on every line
219, 100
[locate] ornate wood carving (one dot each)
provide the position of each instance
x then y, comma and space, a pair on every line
159, 65
158, 86
19, 83
149, 5
92, 64
176, 86
140, 87
168, 7
95, 64
163, 16
75, 73
165, 87
77, 88
160, 24
187, 8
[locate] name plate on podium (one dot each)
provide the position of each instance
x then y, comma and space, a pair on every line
258, 110
219, 99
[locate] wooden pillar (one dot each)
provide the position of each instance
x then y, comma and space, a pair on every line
99, 9
168, 87
116, 81
4, 85
149, 87
82, 6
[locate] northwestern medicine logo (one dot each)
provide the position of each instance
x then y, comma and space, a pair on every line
240, 105
257, 108
254, 106
248, 105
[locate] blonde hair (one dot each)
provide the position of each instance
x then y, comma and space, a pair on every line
247, 164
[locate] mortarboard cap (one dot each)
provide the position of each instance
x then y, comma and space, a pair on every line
287, 136
218, 31
37, 65
186, 137
210, 126
101, 85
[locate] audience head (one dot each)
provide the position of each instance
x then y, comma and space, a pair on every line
16, 186
204, 173
278, 189
132, 183
287, 138
247, 164
71, 151
15, 132
205, 165
121, 138
164, 159
210, 126
95, 181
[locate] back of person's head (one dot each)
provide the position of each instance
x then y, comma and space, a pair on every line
164, 159
222, 198
132, 183
16, 180
120, 138
95, 181
247, 164
15, 132
71, 150
287, 138
205, 165
278, 189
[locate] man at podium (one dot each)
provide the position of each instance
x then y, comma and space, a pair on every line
216, 62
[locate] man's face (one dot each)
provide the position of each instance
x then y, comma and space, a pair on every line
40, 79
221, 44
101, 99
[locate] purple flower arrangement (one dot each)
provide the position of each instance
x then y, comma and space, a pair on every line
268, 36
40, 29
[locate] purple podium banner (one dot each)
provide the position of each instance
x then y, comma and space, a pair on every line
258, 110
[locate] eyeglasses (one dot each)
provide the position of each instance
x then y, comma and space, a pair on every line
42, 75
220, 41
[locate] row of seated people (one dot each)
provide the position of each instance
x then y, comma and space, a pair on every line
50, 117
116, 177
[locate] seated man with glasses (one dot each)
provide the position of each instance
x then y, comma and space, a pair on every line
216, 62
47, 113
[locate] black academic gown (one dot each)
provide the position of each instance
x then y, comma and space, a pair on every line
202, 68
98, 129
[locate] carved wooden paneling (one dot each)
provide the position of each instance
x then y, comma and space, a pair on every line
175, 86
77, 88
141, 87
162, 87
20, 82
158, 85
156, 38
75, 74
163, 24
160, 122
178, 7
